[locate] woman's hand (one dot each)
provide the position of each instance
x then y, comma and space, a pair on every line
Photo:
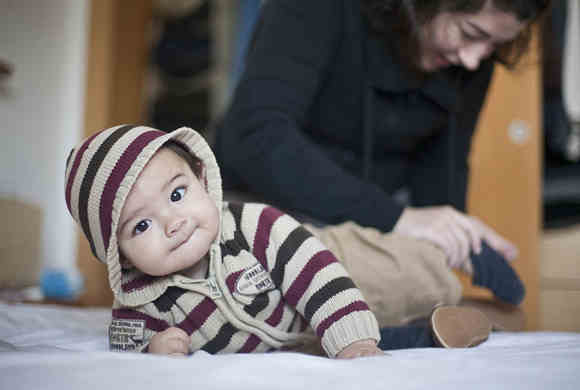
172, 341
360, 348
457, 234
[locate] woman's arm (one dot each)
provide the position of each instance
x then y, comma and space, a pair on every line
261, 140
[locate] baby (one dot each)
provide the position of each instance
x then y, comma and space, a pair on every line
190, 272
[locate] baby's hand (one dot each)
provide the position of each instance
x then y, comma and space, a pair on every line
172, 341
360, 348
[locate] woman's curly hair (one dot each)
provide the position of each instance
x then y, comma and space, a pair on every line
399, 23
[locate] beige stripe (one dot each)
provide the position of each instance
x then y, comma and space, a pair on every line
237, 341
209, 329
340, 300
236, 263
310, 248
249, 222
228, 220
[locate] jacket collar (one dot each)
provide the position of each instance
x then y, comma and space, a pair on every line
386, 74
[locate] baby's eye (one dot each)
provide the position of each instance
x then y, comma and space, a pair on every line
142, 226
177, 194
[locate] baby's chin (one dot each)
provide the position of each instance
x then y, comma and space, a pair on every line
198, 269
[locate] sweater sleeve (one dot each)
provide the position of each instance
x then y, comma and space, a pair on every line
313, 281
261, 142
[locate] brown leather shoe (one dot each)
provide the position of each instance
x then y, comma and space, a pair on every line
503, 316
459, 326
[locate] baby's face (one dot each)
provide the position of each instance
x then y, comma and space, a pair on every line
169, 221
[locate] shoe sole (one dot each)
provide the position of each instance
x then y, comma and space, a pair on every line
459, 327
503, 316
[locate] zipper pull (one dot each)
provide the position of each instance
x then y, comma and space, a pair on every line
214, 291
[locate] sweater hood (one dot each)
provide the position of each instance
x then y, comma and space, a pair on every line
100, 173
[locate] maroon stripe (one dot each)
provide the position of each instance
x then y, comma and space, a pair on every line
300, 284
154, 324
267, 218
116, 177
250, 345
197, 317
232, 279
337, 315
276, 316
75, 167
138, 283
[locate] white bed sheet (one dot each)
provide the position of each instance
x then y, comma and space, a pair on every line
51, 347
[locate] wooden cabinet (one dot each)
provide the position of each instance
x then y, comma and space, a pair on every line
505, 182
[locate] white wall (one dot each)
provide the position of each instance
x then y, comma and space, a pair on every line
41, 110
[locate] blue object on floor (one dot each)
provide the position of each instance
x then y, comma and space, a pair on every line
61, 284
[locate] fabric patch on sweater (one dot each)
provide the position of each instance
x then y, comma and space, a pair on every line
126, 335
254, 280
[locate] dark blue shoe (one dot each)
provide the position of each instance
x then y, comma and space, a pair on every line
407, 336
492, 271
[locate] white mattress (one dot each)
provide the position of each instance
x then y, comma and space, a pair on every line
50, 347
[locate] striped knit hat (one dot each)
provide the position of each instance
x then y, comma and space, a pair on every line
100, 173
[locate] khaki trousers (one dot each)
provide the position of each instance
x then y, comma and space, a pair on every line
402, 278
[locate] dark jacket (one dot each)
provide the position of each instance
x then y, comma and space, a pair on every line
325, 121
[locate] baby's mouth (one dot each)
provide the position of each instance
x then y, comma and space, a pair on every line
185, 239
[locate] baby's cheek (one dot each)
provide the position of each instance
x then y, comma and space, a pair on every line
134, 250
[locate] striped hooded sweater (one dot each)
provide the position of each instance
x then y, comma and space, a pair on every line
270, 284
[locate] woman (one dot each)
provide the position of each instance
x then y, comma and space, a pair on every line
364, 111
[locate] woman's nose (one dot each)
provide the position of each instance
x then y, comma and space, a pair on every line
471, 55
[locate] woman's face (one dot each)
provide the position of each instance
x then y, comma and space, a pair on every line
465, 39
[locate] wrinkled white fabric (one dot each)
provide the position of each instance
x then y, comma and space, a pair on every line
49, 347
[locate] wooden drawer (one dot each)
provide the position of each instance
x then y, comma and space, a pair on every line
560, 310
560, 254
560, 279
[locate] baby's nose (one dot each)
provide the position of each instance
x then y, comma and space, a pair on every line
174, 226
